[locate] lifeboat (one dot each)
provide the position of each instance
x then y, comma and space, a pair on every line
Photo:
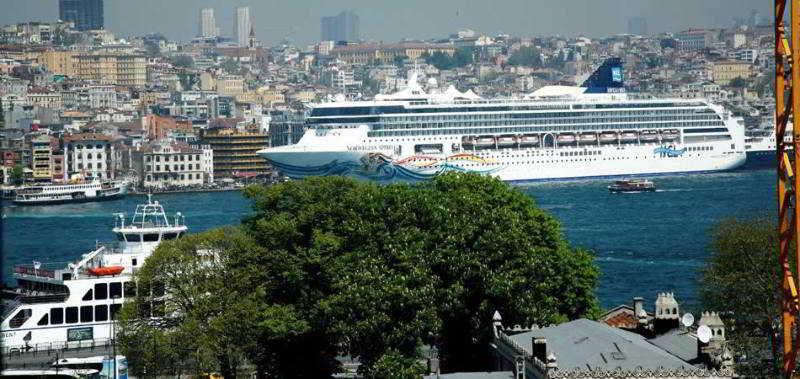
648, 136
608, 137
628, 137
106, 270
669, 135
588, 138
566, 138
484, 142
468, 141
506, 141
529, 139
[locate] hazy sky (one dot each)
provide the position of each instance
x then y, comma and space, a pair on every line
391, 20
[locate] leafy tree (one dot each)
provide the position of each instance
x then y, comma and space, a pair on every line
182, 61
525, 56
17, 174
400, 60
396, 365
443, 61
743, 279
188, 80
738, 82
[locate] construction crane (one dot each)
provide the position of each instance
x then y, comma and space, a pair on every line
787, 82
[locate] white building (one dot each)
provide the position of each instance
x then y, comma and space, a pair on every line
164, 164
89, 155
208, 24
243, 25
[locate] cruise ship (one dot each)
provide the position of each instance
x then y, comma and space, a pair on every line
555, 133
94, 190
760, 144
57, 308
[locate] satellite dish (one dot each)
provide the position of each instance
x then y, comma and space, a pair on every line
704, 333
687, 320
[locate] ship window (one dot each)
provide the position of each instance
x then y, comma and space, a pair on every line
20, 318
72, 315
87, 313
57, 316
170, 236
101, 312
115, 290
129, 289
151, 237
88, 295
100, 291
133, 262
114, 309
44, 320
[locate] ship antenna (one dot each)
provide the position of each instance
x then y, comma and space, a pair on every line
149, 197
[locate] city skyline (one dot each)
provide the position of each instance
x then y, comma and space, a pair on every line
392, 22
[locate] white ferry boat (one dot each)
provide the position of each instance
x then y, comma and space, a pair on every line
554, 133
76, 305
95, 190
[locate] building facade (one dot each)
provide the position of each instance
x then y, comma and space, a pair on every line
167, 164
113, 69
41, 156
243, 26
208, 23
89, 155
726, 71
86, 14
235, 151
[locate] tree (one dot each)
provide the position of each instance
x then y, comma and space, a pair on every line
743, 279
738, 82
2, 115
443, 61
182, 61
525, 56
329, 266
17, 174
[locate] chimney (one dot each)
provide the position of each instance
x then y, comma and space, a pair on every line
539, 348
638, 311
666, 315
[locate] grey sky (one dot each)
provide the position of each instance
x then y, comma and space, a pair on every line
391, 20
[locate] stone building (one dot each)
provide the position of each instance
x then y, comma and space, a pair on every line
89, 155
164, 164
724, 72
235, 151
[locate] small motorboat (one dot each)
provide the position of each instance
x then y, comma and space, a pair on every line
632, 185
106, 270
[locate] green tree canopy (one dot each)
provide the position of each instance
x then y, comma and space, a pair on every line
182, 61
17, 174
525, 56
328, 266
743, 280
443, 61
738, 82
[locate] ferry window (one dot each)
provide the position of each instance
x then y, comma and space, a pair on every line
170, 236
114, 309
44, 320
57, 316
72, 315
150, 237
87, 313
100, 291
129, 289
88, 295
20, 318
101, 312
115, 290
133, 261
134, 238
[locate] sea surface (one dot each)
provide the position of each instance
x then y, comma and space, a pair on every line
644, 243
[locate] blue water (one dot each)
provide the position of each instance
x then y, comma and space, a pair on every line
644, 243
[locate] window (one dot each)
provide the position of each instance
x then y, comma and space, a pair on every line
130, 289
87, 313
115, 290
88, 295
20, 318
101, 312
72, 315
150, 237
133, 263
44, 320
114, 309
56, 316
100, 291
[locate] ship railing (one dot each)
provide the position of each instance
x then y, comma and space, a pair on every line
33, 271
56, 347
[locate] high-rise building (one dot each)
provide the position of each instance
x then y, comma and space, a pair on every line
637, 26
208, 24
243, 26
342, 27
86, 14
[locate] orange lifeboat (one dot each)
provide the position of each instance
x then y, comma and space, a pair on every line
106, 271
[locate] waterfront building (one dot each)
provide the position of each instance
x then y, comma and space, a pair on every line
342, 27
86, 14
164, 164
235, 151
724, 72
41, 155
208, 24
113, 69
243, 26
89, 155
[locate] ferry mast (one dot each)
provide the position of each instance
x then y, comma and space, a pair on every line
787, 74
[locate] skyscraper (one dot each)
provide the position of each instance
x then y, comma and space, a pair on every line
208, 24
342, 27
243, 26
86, 14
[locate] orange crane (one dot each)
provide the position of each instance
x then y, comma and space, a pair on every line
787, 74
